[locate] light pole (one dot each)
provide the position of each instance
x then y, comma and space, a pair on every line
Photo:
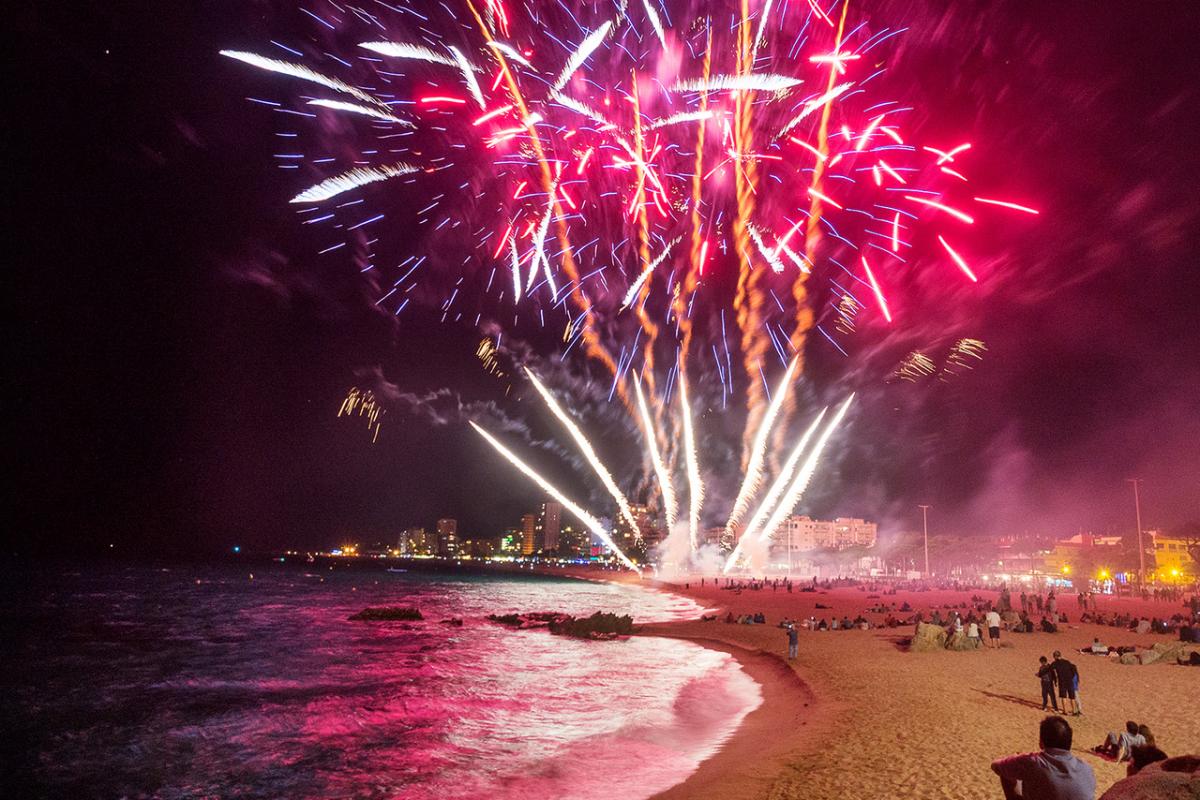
1137, 510
925, 525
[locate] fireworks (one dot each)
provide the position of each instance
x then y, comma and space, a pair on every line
548, 160
363, 404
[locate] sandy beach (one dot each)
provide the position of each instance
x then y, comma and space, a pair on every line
857, 716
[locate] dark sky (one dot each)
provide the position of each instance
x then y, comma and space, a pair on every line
180, 353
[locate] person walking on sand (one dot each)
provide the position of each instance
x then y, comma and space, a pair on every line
793, 642
993, 626
1051, 773
1047, 677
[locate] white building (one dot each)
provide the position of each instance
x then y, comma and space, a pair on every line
801, 534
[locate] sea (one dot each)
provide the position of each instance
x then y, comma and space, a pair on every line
249, 681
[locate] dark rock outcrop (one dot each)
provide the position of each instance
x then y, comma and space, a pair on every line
601, 625
387, 614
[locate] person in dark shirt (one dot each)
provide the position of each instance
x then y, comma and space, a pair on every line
1046, 676
1052, 773
1065, 673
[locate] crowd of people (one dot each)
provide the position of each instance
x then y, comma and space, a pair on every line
1053, 771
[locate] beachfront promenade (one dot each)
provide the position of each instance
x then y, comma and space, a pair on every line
867, 719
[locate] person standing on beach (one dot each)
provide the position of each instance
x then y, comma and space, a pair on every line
1052, 773
993, 626
1046, 676
1066, 674
793, 642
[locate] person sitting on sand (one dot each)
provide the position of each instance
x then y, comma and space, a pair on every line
1119, 744
1144, 755
1049, 774
1096, 648
729, 618
822, 625
1047, 626
846, 623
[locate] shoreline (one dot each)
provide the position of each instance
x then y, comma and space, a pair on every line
747, 763
760, 749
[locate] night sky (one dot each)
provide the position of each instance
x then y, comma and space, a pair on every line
181, 352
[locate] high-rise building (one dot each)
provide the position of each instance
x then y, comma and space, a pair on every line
512, 542
529, 543
447, 538
415, 542
477, 548
574, 542
550, 524
625, 537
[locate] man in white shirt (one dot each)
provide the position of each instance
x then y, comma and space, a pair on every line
993, 626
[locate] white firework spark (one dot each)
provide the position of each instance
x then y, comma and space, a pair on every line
587, 519
360, 176
695, 485
355, 108
685, 116
758, 451
655, 22
800, 483
583, 109
589, 453
670, 502
753, 82
773, 494
468, 73
631, 295
410, 51
813, 105
510, 52
767, 253
585, 49
302, 72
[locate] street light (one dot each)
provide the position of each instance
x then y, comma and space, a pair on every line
925, 525
1137, 510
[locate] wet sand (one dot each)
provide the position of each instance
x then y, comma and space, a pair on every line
857, 716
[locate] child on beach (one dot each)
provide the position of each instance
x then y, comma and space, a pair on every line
1046, 677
